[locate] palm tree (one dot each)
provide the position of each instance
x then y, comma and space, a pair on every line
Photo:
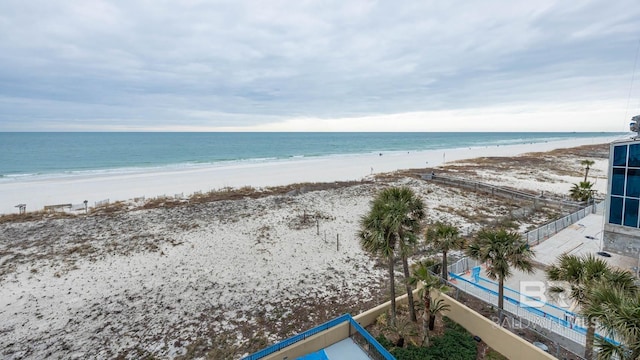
422, 274
583, 273
438, 307
403, 329
617, 309
501, 250
444, 237
393, 221
582, 191
587, 164
375, 240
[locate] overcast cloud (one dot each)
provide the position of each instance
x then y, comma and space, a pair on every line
318, 65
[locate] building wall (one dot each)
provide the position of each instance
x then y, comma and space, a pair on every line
498, 338
312, 344
622, 216
618, 240
335, 334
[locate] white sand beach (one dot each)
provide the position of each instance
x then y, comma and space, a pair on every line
219, 278
93, 188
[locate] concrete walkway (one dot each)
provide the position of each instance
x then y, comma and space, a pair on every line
583, 237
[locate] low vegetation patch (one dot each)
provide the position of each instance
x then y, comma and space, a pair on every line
454, 344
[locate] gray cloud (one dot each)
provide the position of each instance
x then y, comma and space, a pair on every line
144, 64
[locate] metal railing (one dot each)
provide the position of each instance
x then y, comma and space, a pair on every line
463, 265
368, 343
364, 340
527, 314
536, 236
543, 315
561, 348
499, 191
543, 321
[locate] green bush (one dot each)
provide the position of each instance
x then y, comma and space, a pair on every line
413, 353
455, 344
386, 343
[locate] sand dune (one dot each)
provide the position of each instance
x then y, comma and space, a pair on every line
220, 278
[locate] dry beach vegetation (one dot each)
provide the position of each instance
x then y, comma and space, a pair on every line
222, 274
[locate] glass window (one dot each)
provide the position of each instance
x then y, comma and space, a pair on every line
631, 212
617, 182
633, 182
634, 155
620, 155
615, 210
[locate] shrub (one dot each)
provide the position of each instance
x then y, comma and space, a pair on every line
455, 344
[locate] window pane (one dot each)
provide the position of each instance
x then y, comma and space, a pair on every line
634, 155
617, 182
631, 212
620, 155
633, 182
615, 210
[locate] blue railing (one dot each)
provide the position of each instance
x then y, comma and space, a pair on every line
506, 288
370, 339
530, 309
538, 312
329, 324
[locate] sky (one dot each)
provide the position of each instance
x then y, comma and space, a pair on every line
156, 65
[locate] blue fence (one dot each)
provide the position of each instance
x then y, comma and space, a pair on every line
534, 310
565, 312
380, 351
329, 324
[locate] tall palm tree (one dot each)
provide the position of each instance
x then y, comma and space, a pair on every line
422, 274
501, 250
582, 273
587, 164
444, 237
617, 309
405, 212
374, 239
393, 221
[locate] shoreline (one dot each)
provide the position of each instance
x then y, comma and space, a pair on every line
74, 189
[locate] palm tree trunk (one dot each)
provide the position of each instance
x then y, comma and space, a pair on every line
427, 315
586, 172
412, 307
501, 294
392, 289
444, 265
588, 346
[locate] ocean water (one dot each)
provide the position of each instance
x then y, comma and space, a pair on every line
28, 155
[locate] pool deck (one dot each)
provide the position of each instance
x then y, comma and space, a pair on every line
583, 237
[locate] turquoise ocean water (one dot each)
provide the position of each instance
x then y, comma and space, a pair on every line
28, 155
